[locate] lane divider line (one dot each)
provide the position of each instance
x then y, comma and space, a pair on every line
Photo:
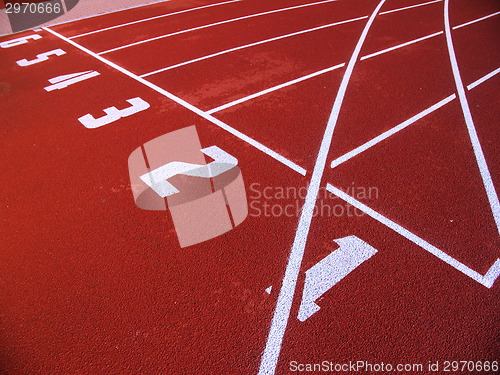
281, 315
214, 24
152, 18
409, 7
476, 145
274, 88
483, 79
252, 45
487, 280
188, 106
390, 132
476, 20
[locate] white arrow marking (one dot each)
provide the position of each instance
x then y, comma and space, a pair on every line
329, 271
157, 179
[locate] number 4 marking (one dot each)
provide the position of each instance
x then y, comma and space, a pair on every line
64, 81
41, 57
19, 41
113, 114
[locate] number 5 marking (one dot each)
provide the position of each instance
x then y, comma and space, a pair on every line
113, 114
19, 41
41, 57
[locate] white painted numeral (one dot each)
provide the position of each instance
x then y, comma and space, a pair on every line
64, 81
41, 57
19, 41
113, 114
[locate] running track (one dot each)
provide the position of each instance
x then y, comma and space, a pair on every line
328, 98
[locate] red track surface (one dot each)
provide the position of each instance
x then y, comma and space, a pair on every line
90, 284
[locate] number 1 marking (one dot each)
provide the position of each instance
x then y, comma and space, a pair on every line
41, 57
64, 81
19, 41
113, 114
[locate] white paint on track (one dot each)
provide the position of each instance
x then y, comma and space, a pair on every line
214, 24
274, 88
487, 280
401, 45
476, 20
281, 315
185, 104
476, 145
483, 79
252, 45
152, 18
390, 132
410, 7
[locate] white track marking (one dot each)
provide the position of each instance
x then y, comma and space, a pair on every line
476, 145
285, 299
268, 289
109, 12
390, 132
185, 104
486, 280
152, 18
253, 44
211, 25
325, 274
483, 79
401, 45
476, 20
267, 91
410, 7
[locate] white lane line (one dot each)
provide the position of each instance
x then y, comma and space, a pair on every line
487, 280
109, 12
483, 79
213, 24
401, 45
390, 132
152, 18
253, 44
476, 145
267, 91
185, 104
476, 20
410, 7
285, 299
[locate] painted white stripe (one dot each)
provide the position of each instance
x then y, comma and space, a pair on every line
410, 7
476, 20
390, 132
252, 45
285, 299
152, 18
401, 45
109, 12
476, 145
483, 79
267, 91
213, 24
185, 104
486, 280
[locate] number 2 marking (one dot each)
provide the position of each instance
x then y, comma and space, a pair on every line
113, 114
41, 57
19, 41
64, 81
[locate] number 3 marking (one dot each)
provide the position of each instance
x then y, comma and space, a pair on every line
113, 114
19, 41
41, 57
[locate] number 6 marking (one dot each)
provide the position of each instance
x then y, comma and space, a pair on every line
113, 114
41, 57
19, 41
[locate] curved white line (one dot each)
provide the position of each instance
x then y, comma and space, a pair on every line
279, 322
476, 145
